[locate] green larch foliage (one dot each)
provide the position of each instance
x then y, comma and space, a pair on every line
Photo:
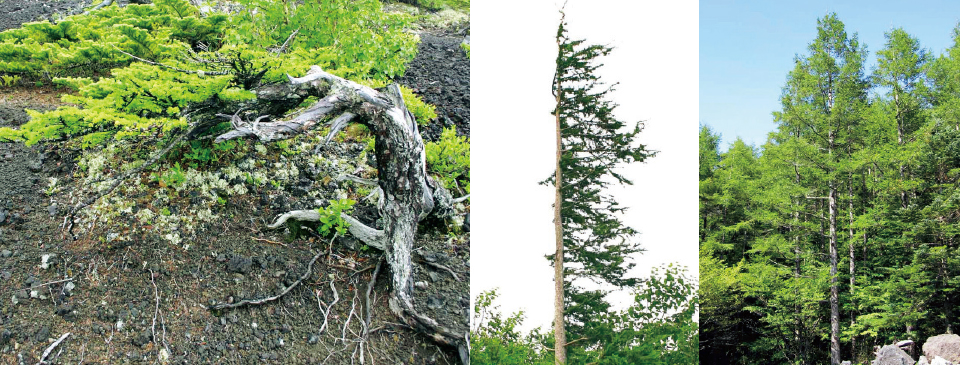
210, 62
886, 149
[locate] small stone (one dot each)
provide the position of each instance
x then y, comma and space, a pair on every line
42, 334
239, 264
434, 303
313, 339
434, 277
420, 285
14, 299
253, 325
52, 209
285, 329
6, 253
144, 338
223, 321
65, 309
5, 337
68, 288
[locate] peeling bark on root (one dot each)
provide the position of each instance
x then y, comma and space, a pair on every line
409, 195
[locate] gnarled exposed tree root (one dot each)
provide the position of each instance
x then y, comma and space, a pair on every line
408, 194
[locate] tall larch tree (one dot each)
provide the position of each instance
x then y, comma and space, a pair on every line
591, 241
822, 104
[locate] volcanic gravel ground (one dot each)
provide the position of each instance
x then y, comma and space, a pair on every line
144, 301
441, 76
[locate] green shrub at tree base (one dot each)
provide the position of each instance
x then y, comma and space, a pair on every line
449, 160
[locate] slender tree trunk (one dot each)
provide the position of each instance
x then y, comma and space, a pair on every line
904, 196
560, 350
834, 295
853, 281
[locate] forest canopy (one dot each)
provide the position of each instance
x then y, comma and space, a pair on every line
840, 233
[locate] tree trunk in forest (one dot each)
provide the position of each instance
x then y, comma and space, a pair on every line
409, 195
560, 348
853, 281
904, 197
834, 294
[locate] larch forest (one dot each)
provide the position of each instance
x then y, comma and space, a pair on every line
839, 233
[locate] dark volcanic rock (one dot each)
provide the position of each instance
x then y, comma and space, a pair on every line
143, 338
440, 75
239, 264
43, 334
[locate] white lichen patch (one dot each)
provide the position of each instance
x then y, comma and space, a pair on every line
173, 238
232, 172
145, 216
285, 171
237, 189
172, 200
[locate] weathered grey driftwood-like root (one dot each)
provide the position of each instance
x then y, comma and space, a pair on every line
372, 237
408, 194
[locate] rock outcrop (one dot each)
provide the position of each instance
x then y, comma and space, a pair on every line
946, 346
892, 355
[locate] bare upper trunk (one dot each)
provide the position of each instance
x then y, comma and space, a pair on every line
560, 350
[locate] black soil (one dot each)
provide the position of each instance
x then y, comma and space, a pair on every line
136, 301
24, 11
441, 76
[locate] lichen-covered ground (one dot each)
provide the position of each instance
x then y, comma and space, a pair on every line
150, 258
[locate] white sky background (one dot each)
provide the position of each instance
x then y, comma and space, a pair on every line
513, 50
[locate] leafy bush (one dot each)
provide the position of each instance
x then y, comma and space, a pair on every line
95, 41
9, 81
148, 100
173, 177
497, 340
330, 217
422, 111
449, 160
365, 40
461, 5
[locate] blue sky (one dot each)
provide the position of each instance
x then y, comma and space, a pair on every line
748, 47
